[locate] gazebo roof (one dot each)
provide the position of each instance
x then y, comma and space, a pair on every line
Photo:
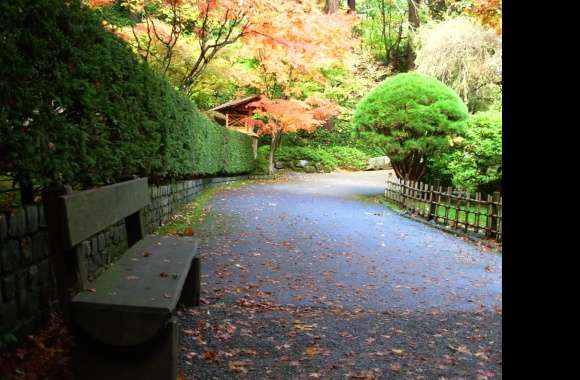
235, 103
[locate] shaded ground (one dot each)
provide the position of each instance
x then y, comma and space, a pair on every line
303, 281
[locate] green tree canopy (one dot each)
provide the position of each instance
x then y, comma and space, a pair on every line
411, 117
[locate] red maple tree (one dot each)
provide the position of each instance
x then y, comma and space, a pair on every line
275, 117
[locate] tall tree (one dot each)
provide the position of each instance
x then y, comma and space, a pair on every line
351, 6
331, 6
164, 29
413, 26
293, 41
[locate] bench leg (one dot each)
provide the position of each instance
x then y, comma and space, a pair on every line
160, 361
191, 293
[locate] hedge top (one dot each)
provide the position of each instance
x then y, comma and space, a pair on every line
77, 106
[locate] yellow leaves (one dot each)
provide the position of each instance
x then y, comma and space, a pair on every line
304, 327
312, 351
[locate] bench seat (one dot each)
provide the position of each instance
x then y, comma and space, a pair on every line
133, 300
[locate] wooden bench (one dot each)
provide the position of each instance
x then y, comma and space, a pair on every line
124, 320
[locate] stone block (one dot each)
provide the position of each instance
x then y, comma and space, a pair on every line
22, 292
9, 287
10, 255
39, 246
33, 278
17, 223
41, 217
31, 218
26, 249
8, 316
3, 228
44, 272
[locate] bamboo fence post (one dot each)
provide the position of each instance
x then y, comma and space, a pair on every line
489, 214
467, 206
439, 202
477, 211
457, 209
448, 205
412, 201
427, 195
494, 216
422, 196
431, 209
500, 220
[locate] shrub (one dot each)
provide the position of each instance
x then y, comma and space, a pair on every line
77, 107
349, 158
330, 158
411, 117
476, 163
317, 155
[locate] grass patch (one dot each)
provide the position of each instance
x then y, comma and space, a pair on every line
379, 199
184, 221
453, 213
464, 211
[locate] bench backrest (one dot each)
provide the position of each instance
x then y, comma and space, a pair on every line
89, 212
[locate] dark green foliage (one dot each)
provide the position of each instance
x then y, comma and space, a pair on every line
77, 107
411, 117
238, 151
476, 162
340, 133
349, 158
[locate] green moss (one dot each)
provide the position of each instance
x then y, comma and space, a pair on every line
187, 218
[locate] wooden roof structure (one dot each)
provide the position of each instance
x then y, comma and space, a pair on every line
235, 104
232, 113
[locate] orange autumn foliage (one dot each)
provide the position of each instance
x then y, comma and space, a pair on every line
294, 39
277, 116
488, 13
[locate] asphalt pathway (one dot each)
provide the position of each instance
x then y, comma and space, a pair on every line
302, 280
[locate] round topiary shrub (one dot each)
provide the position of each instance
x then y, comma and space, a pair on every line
410, 117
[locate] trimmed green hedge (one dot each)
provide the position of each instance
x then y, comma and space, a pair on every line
76, 106
330, 158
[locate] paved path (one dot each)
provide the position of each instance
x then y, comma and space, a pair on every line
303, 280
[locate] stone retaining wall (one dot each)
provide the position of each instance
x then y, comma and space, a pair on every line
26, 280
27, 283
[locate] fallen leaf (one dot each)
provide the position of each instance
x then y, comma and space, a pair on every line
312, 351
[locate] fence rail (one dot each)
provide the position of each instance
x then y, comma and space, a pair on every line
470, 212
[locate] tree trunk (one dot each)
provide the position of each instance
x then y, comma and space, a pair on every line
411, 167
273, 147
413, 25
351, 6
331, 6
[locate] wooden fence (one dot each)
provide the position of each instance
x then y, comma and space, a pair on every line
470, 212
